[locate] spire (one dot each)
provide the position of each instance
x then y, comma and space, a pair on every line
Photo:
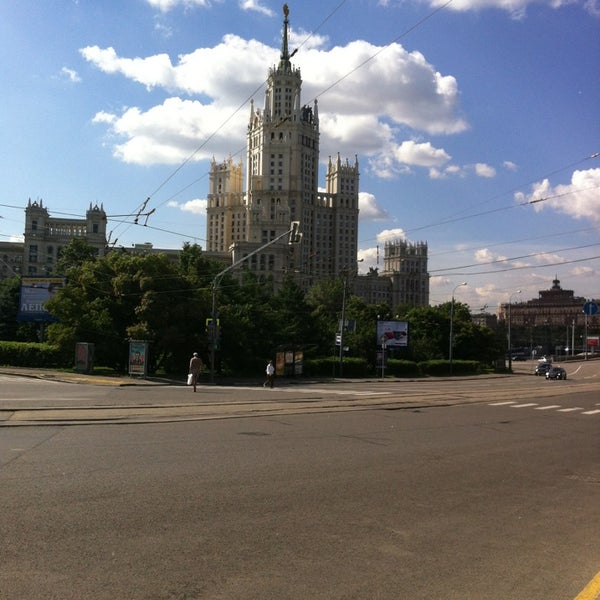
284, 62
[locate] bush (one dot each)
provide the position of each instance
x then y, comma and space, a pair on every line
330, 367
441, 368
402, 368
31, 354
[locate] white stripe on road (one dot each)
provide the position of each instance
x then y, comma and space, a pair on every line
501, 403
570, 409
524, 405
591, 412
548, 407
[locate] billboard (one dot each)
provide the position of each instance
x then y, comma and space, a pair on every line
35, 292
138, 354
395, 333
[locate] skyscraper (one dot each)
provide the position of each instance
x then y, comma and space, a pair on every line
282, 173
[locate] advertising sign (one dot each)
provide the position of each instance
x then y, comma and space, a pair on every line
35, 292
138, 352
395, 333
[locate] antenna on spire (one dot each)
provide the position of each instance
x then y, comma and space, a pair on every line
285, 55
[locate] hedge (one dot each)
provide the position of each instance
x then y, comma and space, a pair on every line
31, 354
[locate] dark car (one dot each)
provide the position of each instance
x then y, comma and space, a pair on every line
556, 373
543, 368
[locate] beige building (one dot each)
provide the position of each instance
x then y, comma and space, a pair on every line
46, 236
553, 321
281, 186
405, 264
553, 307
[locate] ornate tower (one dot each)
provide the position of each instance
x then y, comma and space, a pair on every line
282, 186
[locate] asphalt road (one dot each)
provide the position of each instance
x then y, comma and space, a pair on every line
405, 497
55, 399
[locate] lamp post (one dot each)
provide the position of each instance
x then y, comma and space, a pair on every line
383, 348
509, 323
294, 238
345, 272
452, 324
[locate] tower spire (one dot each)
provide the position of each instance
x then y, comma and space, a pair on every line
285, 54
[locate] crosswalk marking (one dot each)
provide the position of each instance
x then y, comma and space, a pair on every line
555, 407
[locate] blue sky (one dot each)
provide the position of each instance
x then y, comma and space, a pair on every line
476, 123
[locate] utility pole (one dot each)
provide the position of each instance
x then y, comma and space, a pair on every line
294, 238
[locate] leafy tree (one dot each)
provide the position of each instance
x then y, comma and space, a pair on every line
75, 254
121, 297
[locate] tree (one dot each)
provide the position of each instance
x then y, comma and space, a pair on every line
121, 297
75, 254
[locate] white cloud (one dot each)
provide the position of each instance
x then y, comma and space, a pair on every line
369, 209
516, 8
70, 74
167, 5
509, 165
390, 235
196, 206
484, 170
423, 155
579, 199
361, 112
256, 6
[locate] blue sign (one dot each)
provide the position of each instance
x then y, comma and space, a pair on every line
590, 308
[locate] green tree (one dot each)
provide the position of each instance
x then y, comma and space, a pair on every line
75, 254
120, 297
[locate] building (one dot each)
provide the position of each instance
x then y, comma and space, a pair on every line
554, 319
46, 236
553, 307
405, 264
281, 187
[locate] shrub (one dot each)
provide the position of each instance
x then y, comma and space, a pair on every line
31, 354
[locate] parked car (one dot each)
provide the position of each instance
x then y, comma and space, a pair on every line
556, 373
543, 368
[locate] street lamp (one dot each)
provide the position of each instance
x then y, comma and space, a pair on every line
452, 324
509, 321
345, 272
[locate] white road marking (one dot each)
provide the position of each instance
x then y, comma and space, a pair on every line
524, 405
548, 407
502, 403
570, 409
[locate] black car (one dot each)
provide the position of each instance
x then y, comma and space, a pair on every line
543, 368
556, 373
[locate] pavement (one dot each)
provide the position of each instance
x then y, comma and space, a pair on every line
247, 398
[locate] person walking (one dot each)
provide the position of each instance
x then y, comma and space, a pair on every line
196, 366
270, 371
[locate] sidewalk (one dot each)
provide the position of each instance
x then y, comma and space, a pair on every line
86, 378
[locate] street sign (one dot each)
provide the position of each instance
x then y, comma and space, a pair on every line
590, 308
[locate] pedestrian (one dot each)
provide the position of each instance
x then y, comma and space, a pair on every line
270, 371
196, 366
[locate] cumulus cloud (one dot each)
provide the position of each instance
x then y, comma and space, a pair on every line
390, 235
196, 206
579, 199
369, 209
484, 170
361, 111
255, 6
